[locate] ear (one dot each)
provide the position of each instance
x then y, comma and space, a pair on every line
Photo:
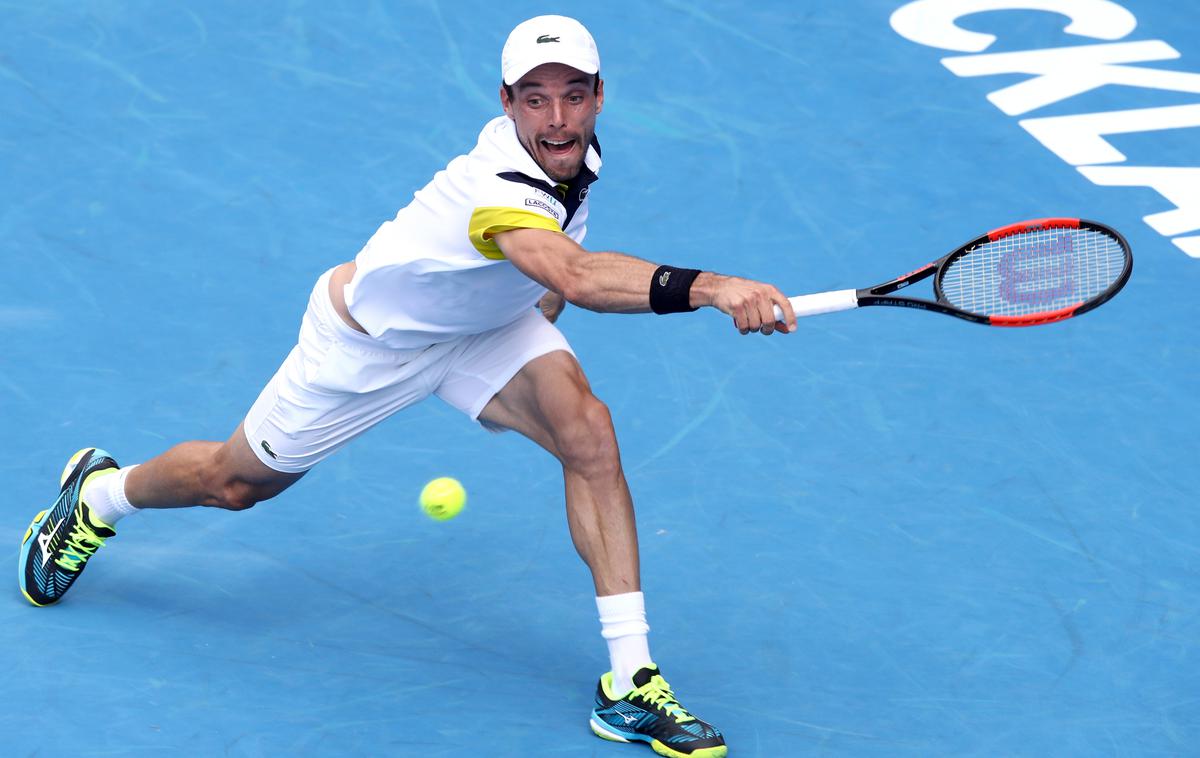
505, 102
599, 95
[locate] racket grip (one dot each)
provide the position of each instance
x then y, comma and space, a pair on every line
822, 302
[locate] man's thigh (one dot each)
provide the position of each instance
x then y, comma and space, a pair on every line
487, 365
541, 400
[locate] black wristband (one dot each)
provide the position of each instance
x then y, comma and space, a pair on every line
670, 289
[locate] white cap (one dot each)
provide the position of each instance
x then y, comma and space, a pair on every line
548, 39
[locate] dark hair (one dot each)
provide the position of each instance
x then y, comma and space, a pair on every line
595, 86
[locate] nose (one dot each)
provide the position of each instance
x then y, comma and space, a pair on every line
558, 114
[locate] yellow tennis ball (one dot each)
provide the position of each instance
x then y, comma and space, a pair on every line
443, 498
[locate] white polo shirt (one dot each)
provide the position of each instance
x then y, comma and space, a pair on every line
434, 272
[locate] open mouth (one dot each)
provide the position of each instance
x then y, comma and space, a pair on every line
558, 147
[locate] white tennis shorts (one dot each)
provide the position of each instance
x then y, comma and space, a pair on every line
338, 382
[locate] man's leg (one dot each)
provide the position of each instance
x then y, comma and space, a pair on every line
224, 475
95, 494
549, 401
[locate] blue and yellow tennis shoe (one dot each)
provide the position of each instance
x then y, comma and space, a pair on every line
61, 539
650, 713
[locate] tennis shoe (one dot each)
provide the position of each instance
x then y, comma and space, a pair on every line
650, 713
60, 541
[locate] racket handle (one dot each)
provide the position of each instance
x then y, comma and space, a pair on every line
822, 302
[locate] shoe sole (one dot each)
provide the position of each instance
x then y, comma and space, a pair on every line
36, 525
604, 732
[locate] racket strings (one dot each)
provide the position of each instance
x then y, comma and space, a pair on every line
1033, 272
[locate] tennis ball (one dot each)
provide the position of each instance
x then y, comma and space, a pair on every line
443, 498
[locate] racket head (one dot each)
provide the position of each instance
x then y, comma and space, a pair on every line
1035, 272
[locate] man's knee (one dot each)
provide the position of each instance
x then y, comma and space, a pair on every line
587, 442
239, 496
231, 492
229, 487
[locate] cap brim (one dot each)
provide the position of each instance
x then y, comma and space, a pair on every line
519, 70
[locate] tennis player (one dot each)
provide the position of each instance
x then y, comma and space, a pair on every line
444, 300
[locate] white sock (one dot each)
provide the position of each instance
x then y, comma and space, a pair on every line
623, 625
105, 495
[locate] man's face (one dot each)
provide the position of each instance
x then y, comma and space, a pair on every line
554, 108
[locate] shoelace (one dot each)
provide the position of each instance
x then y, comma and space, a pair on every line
658, 693
82, 543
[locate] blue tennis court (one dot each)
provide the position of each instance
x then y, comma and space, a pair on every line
891, 534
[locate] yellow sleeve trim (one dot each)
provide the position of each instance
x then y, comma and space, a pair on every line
489, 221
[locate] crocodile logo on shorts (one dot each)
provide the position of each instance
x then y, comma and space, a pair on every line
270, 452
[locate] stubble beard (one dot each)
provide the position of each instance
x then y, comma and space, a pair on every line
576, 165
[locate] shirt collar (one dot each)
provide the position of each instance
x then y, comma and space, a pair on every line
503, 134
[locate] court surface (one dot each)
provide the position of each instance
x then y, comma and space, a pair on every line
892, 534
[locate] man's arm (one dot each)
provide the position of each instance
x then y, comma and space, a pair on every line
619, 283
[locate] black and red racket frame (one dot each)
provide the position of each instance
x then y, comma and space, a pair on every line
880, 294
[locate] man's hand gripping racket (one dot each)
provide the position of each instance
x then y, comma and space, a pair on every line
1024, 274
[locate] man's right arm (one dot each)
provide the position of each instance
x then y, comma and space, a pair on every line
618, 283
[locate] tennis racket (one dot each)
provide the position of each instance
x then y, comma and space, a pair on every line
1024, 274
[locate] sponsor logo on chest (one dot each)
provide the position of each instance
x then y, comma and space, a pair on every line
536, 203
